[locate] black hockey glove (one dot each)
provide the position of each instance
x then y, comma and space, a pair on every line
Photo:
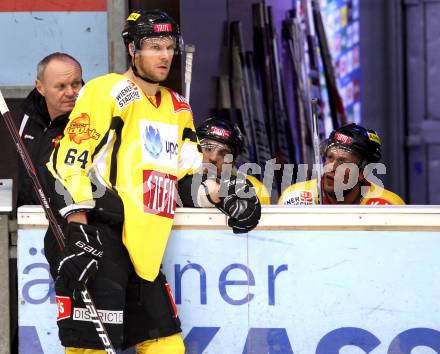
78, 261
240, 204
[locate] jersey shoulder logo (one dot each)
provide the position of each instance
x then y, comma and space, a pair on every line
298, 197
179, 102
125, 92
79, 129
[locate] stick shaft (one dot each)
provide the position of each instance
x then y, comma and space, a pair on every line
316, 151
189, 50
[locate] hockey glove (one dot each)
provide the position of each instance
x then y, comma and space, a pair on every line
240, 204
79, 259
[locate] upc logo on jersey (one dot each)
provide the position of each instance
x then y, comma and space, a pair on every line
152, 141
160, 193
162, 27
125, 92
220, 132
79, 129
344, 139
64, 307
159, 142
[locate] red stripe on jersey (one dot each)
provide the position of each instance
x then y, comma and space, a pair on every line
179, 102
52, 5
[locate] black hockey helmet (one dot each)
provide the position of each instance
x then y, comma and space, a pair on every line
354, 138
146, 24
223, 131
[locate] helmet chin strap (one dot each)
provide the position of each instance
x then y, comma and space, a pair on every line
136, 72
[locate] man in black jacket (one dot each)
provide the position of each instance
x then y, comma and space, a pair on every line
46, 111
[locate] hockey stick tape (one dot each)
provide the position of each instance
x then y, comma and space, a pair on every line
3, 107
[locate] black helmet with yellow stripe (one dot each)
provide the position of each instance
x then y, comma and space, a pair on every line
142, 24
354, 138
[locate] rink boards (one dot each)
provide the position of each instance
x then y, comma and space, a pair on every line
307, 281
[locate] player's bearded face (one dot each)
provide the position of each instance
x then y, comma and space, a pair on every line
155, 57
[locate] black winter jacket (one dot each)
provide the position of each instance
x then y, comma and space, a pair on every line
40, 135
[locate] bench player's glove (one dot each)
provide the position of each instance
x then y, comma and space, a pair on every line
78, 261
240, 204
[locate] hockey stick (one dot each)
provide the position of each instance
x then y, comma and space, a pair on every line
339, 116
59, 236
189, 49
318, 167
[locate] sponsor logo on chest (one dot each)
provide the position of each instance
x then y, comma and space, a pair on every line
160, 193
159, 143
125, 92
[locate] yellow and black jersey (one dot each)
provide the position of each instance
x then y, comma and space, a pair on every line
260, 190
306, 193
136, 145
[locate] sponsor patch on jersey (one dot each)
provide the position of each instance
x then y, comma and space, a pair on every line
300, 197
107, 316
374, 137
29, 137
223, 133
344, 139
377, 201
79, 129
179, 102
159, 143
64, 307
125, 92
162, 27
160, 193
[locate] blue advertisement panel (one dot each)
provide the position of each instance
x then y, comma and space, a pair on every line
302, 292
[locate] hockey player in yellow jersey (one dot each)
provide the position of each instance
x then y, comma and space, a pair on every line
129, 149
359, 149
219, 138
